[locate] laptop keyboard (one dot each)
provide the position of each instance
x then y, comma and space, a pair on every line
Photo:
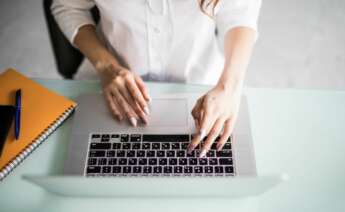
154, 155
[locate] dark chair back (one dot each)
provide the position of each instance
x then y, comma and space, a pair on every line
67, 58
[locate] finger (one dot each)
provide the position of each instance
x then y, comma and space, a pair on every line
228, 128
133, 104
214, 132
208, 120
196, 114
137, 94
131, 115
114, 108
142, 87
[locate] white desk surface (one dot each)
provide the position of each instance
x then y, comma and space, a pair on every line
298, 132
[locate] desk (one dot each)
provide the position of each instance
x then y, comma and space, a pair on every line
298, 132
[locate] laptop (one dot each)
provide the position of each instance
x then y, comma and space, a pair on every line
113, 156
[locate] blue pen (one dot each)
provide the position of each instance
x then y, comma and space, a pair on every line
18, 109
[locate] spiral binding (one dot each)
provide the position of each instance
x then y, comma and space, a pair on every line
36, 142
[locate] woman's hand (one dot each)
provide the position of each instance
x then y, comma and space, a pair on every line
215, 111
125, 93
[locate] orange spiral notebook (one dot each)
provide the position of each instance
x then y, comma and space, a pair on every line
42, 111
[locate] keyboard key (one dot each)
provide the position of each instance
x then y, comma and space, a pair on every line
208, 169
198, 169
142, 161
218, 169
93, 169
229, 169
120, 153
167, 169
102, 161
105, 136
115, 136
224, 153
156, 146
202, 161
188, 169
157, 169
127, 169
175, 146
166, 138
151, 154
130, 153
97, 153
165, 145
112, 161
124, 137
225, 161
92, 161
172, 161
116, 146
122, 161
95, 136
100, 146
135, 145
192, 154
182, 161
137, 169
214, 146
178, 169
126, 146
170, 153
181, 153
211, 153
163, 161
153, 161
116, 169
184, 145
106, 169
135, 138
193, 161
140, 153
132, 161
160, 153
227, 145
110, 153
213, 161
146, 146
147, 169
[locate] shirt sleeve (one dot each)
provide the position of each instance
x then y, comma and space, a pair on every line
237, 13
71, 15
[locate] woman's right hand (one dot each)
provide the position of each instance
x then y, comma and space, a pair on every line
125, 93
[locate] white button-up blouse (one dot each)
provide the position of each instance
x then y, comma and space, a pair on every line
163, 40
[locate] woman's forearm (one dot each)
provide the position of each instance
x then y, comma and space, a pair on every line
238, 45
90, 45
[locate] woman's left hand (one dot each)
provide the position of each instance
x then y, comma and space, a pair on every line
215, 111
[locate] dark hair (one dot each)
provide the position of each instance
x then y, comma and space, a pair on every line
206, 4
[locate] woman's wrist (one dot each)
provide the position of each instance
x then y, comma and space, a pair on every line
230, 83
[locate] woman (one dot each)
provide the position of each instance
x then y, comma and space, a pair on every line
190, 41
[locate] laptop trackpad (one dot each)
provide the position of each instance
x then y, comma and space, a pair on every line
169, 112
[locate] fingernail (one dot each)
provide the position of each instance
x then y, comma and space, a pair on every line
146, 110
150, 99
133, 121
203, 153
202, 134
219, 146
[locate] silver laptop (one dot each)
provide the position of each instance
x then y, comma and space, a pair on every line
101, 146
111, 159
